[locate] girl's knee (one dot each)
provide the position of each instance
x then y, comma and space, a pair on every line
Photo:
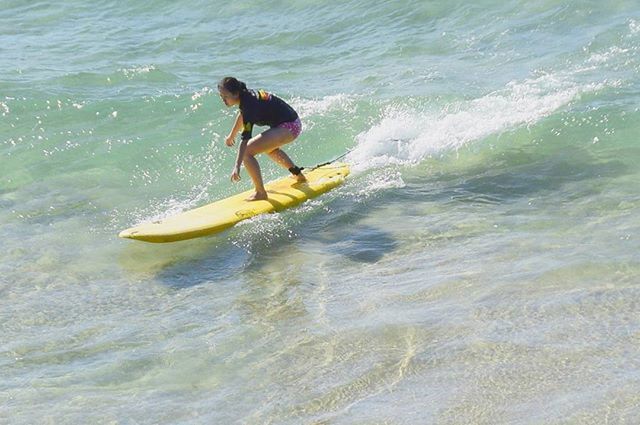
250, 152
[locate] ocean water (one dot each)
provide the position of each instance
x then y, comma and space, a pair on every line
481, 265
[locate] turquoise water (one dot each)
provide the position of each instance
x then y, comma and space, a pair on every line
481, 264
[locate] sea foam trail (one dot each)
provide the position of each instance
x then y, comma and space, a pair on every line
408, 136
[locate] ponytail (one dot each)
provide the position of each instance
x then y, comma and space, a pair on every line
233, 85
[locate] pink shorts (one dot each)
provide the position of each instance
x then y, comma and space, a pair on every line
295, 127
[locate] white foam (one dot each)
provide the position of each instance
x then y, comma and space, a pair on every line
602, 58
408, 136
206, 90
380, 180
309, 107
133, 71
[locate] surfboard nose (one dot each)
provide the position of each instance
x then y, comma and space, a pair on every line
127, 234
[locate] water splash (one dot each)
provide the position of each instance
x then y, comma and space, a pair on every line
407, 135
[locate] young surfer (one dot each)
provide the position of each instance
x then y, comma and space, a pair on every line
258, 107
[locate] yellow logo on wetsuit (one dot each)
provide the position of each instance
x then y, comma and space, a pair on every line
263, 95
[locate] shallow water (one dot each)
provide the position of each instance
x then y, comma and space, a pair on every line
480, 265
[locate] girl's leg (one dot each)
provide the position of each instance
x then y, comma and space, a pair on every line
280, 157
267, 141
253, 168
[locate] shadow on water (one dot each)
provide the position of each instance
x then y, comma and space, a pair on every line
358, 243
234, 257
185, 264
215, 265
254, 246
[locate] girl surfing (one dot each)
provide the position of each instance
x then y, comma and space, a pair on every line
258, 107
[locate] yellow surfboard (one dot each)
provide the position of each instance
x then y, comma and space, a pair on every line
222, 214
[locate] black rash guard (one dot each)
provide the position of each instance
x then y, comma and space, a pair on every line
261, 108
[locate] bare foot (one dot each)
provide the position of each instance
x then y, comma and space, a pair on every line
258, 196
300, 178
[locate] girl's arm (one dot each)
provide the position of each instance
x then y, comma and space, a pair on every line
237, 126
235, 175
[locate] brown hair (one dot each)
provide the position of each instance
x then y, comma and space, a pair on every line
232, 85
